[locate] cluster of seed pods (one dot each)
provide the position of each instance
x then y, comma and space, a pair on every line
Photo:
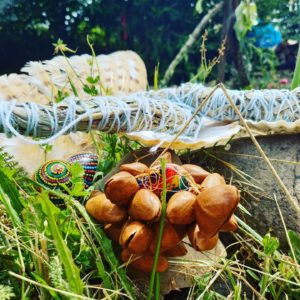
199, 204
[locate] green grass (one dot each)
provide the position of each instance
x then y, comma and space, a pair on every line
296, 77
53, 254
155, 277
43, 233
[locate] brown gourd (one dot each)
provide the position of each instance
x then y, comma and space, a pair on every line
145, 206
198, 173
113, 231
121, 188
131, 213
200, 242
212, 180
180, 208
135, 168
136, 237
230, 225
104, 211
144, 263
178, 250
214, 207
172, 235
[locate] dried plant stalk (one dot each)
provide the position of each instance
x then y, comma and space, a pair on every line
165, 110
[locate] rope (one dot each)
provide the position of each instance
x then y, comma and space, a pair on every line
269, 105
152, 110
109, 107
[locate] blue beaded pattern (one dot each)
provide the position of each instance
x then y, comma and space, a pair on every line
89, 162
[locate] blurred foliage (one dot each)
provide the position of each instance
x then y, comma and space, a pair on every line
285, 14
246, 17
155, 29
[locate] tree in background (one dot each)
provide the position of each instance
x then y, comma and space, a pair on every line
155, 29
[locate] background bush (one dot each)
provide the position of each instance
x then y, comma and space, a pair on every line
155, 29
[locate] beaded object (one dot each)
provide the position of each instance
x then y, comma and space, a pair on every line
89, 162
51, 175
175, 177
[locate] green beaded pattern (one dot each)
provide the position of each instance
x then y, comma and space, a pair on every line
51, 174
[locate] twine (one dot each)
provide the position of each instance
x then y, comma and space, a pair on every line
152, 179
174, 105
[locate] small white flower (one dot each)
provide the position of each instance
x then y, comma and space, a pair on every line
227, 147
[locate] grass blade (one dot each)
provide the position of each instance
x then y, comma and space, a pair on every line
12, 192
9, 208
296, 76
161, 227
71, 270
106, 249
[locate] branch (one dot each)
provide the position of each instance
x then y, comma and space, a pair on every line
193, 37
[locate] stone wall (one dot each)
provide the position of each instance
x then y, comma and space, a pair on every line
265, 215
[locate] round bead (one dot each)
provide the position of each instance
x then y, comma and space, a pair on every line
51, 175
89, 162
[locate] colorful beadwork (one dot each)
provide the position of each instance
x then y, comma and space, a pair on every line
51, 175
175, 180
89, 162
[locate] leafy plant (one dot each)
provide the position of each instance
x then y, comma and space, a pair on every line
206, 66
113, 148
6, 292
60, 251
295, 243
246, 17
296, 77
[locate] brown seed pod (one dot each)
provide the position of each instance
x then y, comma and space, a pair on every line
136, 237
205, 244
214, 207
135, 168
94, 193
144, 263
212, 180
172, 235
200, 242
104, 211
113, 231
180, 208
121, 188
145, 206
178, 250
191, 233
230, 225
198, 173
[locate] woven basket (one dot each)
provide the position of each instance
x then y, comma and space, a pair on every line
121, 72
